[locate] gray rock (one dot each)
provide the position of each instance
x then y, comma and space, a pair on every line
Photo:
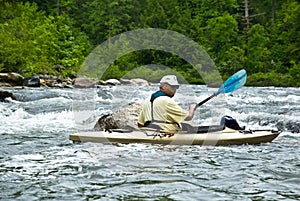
125, 118
140, 82
6, 94
135, 81
112, 82
32, 82
83, 82
125, 81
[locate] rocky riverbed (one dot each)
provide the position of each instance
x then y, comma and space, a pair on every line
18, 81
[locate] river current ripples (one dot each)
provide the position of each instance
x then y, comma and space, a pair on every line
39, 162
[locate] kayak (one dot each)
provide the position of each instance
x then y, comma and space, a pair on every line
227, 133
226, 136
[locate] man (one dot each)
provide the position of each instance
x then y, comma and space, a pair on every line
162, 110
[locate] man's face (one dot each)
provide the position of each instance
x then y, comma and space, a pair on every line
170, 90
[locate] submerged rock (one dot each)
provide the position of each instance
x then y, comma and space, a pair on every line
125, 118
291, 126
6, 94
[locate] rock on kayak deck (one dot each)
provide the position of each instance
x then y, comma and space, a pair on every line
223, 137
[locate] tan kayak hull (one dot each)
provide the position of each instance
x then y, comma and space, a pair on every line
224, 137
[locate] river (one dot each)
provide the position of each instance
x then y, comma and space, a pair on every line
39, 162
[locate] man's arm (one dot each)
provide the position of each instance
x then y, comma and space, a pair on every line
191, 112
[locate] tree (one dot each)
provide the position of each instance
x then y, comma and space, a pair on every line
286, 37
259, 57
32, 43
221, 33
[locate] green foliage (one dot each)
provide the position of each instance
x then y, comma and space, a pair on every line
259, 55
286, 36
33, 43
153, 73
222, 33
270, 79
55, 37
294, 72
232, 60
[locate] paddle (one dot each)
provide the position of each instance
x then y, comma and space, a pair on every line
233, 83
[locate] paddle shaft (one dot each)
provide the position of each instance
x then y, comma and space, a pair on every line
204, 101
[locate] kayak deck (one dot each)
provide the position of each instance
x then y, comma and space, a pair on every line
224, 137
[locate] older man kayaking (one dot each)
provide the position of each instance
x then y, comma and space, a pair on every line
161, 110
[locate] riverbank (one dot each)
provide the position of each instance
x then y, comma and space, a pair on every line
16, 80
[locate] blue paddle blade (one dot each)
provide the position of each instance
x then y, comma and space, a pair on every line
233, 83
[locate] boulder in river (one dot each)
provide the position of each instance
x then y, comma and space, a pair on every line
125, 81
11, 78
6, 94
112, 82
140, 82
135, 81
32, 81
84, 82
125, 118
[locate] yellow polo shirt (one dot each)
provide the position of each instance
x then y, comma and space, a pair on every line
164, 109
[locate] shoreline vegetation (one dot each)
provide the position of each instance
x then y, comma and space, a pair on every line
48, 42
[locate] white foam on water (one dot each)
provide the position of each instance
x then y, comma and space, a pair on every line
24, 157
22, 121
289, 98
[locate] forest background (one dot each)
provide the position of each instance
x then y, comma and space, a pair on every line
55, 36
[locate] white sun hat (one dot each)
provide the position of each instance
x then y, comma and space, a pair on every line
169, 79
